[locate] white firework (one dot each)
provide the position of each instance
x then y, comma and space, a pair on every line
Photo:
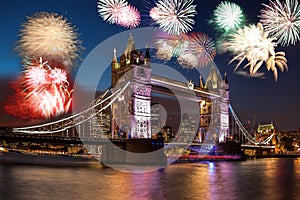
51, 36
174, 16
282, 20
111, 10
254, 45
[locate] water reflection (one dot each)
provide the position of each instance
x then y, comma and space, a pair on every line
253, 179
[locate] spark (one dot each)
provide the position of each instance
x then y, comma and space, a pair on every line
110, 10
228, 16
119, 12
46, 89
50, 36
251, 43
129, 17
282, 21
191, 50
169, 46
199, 52
174, 16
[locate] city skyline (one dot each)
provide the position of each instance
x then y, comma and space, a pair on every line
260, 98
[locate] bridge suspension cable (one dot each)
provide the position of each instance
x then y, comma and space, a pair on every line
245, 133
76, 119
242, 128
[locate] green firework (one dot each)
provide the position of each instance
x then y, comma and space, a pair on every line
228, 16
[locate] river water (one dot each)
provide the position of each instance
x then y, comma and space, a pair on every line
251, 179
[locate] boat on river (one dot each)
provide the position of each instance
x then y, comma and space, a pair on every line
225, 151
30, 158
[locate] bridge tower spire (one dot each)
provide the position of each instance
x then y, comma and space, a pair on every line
147, 59
115, 66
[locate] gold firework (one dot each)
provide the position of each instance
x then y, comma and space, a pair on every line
50, 36
252, 43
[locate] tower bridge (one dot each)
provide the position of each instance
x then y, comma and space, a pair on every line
212, 98
129, 102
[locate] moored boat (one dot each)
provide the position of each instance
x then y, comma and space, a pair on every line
28, 158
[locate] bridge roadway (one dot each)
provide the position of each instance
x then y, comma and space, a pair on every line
243, 146
9, 137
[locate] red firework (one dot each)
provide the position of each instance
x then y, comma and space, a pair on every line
44, 91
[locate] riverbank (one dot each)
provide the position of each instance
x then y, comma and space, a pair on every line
278, 156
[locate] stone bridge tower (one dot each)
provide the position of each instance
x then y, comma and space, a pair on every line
131, 113
218, 125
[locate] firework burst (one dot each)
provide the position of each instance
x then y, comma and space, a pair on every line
254, 45
282, 21
174, 16
169, 46
119, 12
191, 50
46, 89
129, 17
110, 10
50, 36
228, 16
43, 92
199, 52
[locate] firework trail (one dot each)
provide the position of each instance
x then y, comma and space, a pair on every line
228, 16
199, 52
174, 16
282, 21
251, 43
50, 36
119, 12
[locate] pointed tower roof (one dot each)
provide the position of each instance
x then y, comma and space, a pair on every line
147, 55
130, 46
225, 78
115, 64
213, 78
115, 56
201, 85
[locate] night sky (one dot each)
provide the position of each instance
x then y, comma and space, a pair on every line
262, 100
